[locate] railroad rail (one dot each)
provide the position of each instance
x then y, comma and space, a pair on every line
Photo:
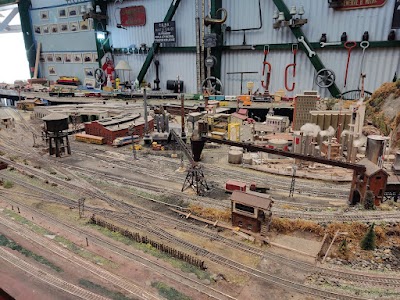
47, 277
78, 261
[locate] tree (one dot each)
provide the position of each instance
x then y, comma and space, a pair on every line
369, 200
368, 242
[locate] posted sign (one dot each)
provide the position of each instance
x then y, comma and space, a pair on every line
165, 32
356, 4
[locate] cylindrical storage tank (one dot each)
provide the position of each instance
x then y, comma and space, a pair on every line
277, 144
56, 122
297, 141
247, 159
234, 148
235, 157
375, 144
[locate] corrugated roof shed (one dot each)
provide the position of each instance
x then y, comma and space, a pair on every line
251, 200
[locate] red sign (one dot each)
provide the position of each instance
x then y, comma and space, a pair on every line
356, 4
133, 16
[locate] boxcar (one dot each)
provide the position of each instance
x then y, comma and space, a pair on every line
88, 138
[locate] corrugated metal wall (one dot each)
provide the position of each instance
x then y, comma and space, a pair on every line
380, 64
171, 65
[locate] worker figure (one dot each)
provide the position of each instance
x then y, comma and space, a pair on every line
117, 82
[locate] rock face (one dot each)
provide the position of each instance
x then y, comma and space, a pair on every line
385, 259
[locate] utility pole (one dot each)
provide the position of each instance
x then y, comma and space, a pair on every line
81, 206
291, 191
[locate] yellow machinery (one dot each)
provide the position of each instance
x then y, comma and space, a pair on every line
234, 132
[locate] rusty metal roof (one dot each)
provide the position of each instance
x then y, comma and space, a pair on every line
251, 200
371, 168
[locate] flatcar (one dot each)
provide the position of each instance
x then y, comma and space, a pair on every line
125, 140
88, 138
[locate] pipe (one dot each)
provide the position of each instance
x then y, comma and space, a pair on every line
208, 21
198, 50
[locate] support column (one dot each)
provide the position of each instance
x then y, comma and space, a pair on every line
26, 27
216, 28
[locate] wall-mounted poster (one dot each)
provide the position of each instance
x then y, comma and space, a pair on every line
77, 58
63, 27
42, 58
45, 29
95, 57
133, 16
53, 28
84, 25
62, 13
58, 58
44, 15
73, 26
37, 29
87, 57
89, 72
73, 11
52, 71
50, 57
67, 57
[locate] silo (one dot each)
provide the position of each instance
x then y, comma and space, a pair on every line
297, 141
375, 145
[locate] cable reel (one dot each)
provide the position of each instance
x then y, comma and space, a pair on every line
325, 78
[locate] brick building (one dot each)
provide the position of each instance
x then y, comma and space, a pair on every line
251, 212
114, 127
303, 104
374, 179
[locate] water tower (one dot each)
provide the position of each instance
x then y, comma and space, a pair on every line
56, 131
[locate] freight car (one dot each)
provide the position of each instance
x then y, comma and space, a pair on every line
232, 185
88, 138
125, 140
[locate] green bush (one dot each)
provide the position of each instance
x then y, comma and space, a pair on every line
8, 184
167, 292
369, 240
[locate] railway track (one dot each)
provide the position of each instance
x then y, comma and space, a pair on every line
334, 273
132, 256
48, 278
217, 173
122, 283
393, 281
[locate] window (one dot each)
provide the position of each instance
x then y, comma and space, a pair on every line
249, 226
240, 224
378, 177
244, 208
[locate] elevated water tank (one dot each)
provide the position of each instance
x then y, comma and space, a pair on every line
56, 122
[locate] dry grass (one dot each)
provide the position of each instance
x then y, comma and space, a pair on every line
284, 226
211, 213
